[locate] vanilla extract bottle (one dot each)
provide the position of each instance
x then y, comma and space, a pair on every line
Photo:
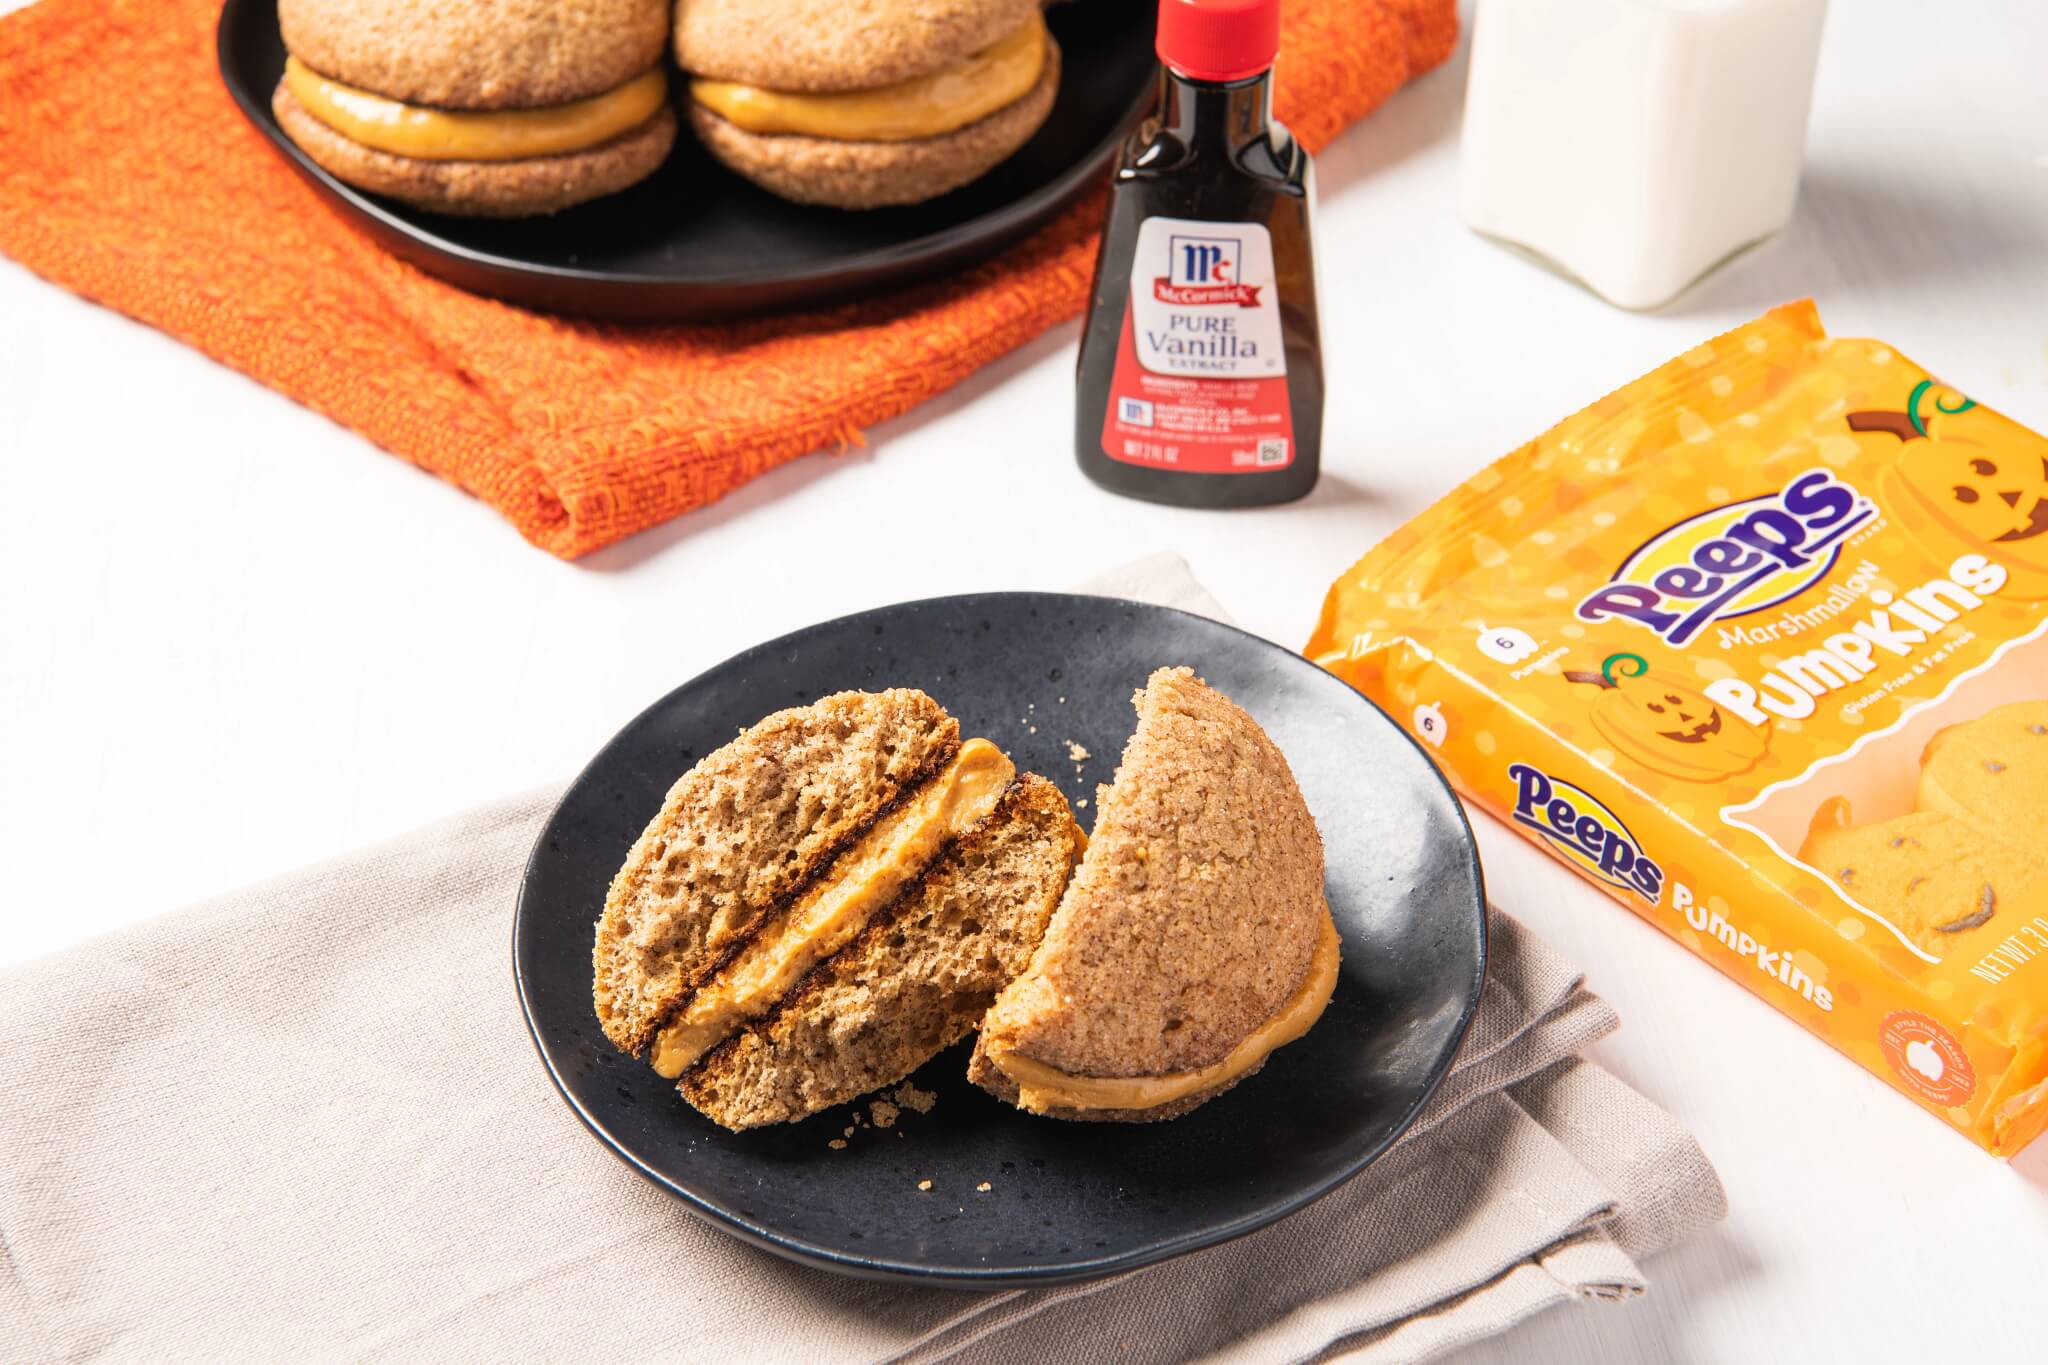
1200, 380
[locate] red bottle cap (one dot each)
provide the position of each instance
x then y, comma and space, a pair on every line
1218, 40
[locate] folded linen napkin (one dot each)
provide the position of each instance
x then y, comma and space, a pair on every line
305, 1121
131, 178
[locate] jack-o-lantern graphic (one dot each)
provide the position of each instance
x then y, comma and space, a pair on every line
1667, 725
1990, 494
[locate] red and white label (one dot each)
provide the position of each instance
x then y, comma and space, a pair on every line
1201, 372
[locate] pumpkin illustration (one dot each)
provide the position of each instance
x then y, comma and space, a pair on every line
1664, 723
1991, 495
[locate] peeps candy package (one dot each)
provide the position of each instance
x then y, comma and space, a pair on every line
1758, 645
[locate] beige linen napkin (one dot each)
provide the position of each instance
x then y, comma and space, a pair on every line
305, 1121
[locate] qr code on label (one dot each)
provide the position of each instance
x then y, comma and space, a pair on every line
1273, 450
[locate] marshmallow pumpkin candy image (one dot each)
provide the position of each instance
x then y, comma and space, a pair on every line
1965, 475
1972, 852
479, 108
1932, 876
1662, 722
864, 103
1993, 771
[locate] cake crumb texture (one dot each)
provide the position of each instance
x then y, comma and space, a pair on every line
915, 980
910, 1097
742, 832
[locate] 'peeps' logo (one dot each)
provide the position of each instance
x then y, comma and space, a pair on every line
1584, 832
1734, 559
1506, 644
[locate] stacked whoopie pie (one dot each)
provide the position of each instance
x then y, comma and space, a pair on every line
486, 108
504, 108
865, 103
848, 888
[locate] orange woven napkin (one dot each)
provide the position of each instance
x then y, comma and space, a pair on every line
128, 175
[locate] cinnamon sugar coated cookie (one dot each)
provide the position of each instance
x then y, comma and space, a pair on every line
477, 54
869, 102
819, 46
482, 108
858, 175
1195, 922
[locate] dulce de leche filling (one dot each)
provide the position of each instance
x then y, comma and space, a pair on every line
425, 134
924, 106
829, 913
1041, 1088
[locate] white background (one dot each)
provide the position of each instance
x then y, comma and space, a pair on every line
235, 638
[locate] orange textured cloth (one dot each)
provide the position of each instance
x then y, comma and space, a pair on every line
128, 175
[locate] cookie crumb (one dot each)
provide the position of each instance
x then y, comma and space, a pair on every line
837, 1144
884, 1113
984, 1187
924, 1184
848, 1132
1076, 753
910, 1097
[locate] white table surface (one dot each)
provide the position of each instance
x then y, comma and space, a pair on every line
235, 638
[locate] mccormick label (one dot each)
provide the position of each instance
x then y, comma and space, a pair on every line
1201, 374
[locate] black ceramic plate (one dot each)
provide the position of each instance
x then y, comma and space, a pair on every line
1067, 1201
695, 241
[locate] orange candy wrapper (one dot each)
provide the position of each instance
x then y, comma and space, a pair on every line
1758, 645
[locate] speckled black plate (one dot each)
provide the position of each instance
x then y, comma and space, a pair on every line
695, 241
1067, 1201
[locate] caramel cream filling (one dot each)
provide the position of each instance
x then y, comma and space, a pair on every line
829, 913
1041, 1087
426, 134
924, 106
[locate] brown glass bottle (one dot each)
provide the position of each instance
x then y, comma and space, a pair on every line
1200, 380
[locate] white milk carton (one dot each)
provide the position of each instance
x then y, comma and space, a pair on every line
1637, 144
